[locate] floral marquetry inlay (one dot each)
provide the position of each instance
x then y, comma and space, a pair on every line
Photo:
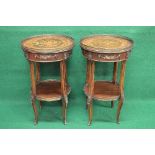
48, 44
106, 43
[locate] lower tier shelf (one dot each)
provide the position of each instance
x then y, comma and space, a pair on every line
104, 90
49, 90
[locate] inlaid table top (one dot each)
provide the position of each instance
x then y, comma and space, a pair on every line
48, 44
106, 44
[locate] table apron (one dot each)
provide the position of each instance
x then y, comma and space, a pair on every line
106, 57
52, 57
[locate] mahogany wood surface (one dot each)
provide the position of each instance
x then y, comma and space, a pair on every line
104, 90
43, 49
105, 48
49, 90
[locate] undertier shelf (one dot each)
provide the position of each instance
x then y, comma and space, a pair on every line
49, 90
104, 90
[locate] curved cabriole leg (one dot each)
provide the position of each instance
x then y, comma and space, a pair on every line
90, 91
121, 90
63, 90
90, 113
33, 85
119, 109
87, 71
114, 78
38, 78
35, 112
87, 78
64, 111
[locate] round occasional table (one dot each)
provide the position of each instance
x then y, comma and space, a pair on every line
44, 49
105, 48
